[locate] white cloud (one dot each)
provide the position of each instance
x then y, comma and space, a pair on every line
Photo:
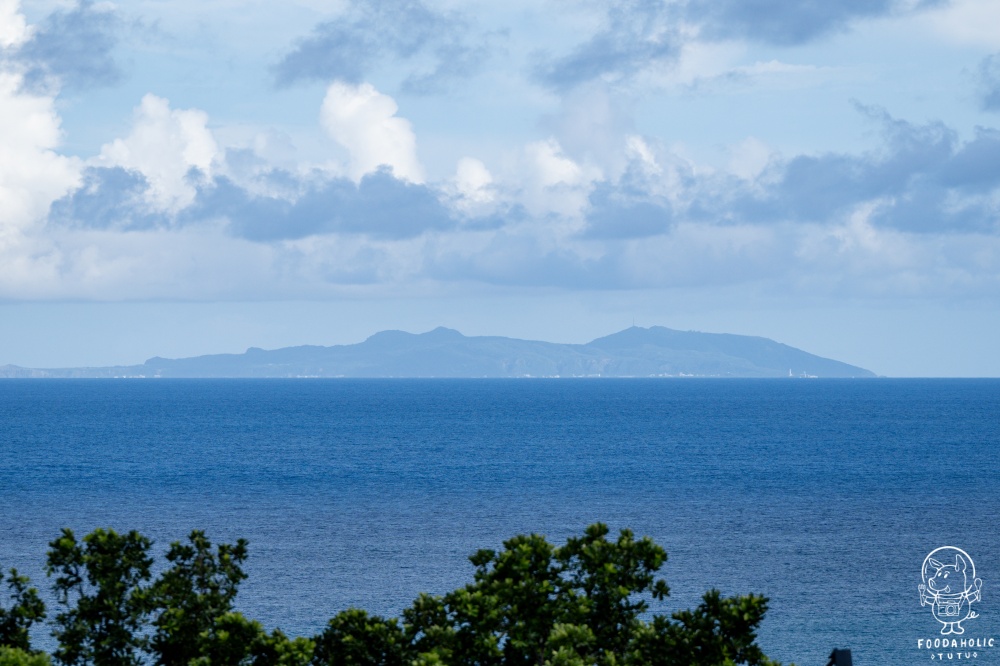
965, 22
473, 188
858, 259
165, 145
473, 179
637, 149
551, 166
697, 61
596, 150
364, 121
592, 124
32, 173
191, 263
14, 29
661, 172
552, 183
748, 158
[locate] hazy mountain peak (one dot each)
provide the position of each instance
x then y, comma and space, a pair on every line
393, 337
442, 332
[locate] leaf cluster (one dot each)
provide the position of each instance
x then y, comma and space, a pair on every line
113, 615
12, 656
190, 596
26, 608
98, 584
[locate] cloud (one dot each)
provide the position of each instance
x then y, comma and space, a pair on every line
637, 35
988, 75
592, 125
364, 121
378, 206
73, 47
14, 29
689, 255
100, 265
749, 158
615, 213
169, 172
640, 36
548, 183
370, 32
791, 22
270, 207
32, 172
975, 166
149, 215
472, 190
167, 146
921, 180
110, 198
451, 62
818, 188
965, 22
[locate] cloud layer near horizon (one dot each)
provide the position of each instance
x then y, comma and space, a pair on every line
171, 208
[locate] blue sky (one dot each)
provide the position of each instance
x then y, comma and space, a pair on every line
179, 178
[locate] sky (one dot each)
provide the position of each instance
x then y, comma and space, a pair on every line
190, 177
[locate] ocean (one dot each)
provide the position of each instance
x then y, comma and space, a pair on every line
824, 495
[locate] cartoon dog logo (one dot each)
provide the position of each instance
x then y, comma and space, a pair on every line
946, 589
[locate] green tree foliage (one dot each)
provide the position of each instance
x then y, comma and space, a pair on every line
603, 581
233, 640
12, 656
98, 582
230, 640
532, 603
719, 631
193, 619
354, 637
187, 598
276, 649
26, 608
581, 603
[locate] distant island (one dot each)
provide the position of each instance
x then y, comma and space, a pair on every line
634, 352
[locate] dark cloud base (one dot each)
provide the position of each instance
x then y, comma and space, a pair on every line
374, 31
379, 206
642, 34
989, 83
75, 47
637, 37
111, 198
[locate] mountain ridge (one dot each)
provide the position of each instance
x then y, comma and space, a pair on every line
443, 352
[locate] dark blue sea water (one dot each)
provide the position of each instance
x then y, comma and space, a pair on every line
823, 495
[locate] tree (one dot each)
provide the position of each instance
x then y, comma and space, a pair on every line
575, 605
191, 595
26, 609
98, 582
194, 622
605, 578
